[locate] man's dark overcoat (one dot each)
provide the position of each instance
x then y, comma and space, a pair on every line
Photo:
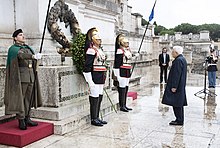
176, 79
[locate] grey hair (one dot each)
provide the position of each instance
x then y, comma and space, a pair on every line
178, 49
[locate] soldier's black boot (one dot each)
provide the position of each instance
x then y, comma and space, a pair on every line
21, 124
29, 122
93, 111
99, 105
119, 100
122, 99
126, 93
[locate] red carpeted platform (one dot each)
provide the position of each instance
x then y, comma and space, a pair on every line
132, 94
10, 134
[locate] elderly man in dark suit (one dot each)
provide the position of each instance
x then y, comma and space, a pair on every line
175, 93
164, 60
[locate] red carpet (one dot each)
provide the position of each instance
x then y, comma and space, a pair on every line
10, 134
133, 95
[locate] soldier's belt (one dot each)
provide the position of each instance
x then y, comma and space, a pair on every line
99, 68
211, 64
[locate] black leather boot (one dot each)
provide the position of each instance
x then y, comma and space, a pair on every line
119, 100
29, 122
93, 111
126, 93
21, 124
122, 99
99, 105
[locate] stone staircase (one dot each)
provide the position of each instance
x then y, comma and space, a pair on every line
74, 113
69, 117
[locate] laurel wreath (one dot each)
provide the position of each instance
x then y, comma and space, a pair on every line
75, 47
77, 51
60, 11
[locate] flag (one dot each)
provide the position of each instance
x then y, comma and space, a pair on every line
152, 12
151, 15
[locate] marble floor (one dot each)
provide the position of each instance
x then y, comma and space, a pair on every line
148, 124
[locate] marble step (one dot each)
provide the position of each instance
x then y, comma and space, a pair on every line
82, 119
74, 108
76, 115
78, 120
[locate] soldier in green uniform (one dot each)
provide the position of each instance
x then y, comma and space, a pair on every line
20, 81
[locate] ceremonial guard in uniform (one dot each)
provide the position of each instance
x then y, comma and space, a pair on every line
20, 92
122, 70
95, 73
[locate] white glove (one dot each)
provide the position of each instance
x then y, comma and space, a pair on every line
103, 57
101, 54
37, 56
135, 56
127, 54
88, 77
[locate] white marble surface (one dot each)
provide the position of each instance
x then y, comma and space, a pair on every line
147, 125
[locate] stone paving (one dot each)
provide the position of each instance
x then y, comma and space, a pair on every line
148, 124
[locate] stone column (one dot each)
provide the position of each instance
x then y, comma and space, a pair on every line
204, 35
138, 26
152, 32
178, 36
7, 22
156, 47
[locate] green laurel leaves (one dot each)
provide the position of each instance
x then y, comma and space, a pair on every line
77, 50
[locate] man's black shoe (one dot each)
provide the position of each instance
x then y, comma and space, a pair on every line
102, 121
22, 124
175, 123
29, 122
123, 109
128, 108
96, 122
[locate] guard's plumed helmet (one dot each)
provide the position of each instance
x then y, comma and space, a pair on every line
91, 36
95, 35
122, 40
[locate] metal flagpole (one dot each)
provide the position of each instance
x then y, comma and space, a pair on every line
150, 18
36, 68
45, 23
